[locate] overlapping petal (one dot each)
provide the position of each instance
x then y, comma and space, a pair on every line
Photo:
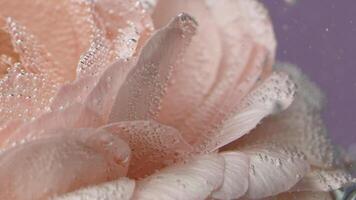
62, 163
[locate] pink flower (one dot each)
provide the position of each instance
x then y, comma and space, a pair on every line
111, 99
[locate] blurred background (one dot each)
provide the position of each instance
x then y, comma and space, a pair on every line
320, 37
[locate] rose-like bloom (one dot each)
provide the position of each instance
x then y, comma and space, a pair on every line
119, 99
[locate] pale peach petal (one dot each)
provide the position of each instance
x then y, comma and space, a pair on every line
153, 145
33, 56
59, 25
195, 74
194, 180
239, 19
302, 196
274, 169
75, 116
59, 164
247, 58
24, 95
236, 176
224, 97
6, 48
324, 180
140, 95
121, 189
299, 126
273, 95
119, 14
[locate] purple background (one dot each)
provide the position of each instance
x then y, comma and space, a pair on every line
320, 37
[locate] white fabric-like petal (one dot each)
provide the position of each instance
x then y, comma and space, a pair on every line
302, 196
274, 95
236, 176
324, 180
299, 126
274, 170
121, 189
194, 180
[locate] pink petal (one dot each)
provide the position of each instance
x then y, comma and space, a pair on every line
324, 180
247, 58
119, 14
139, 97
239, 19
153, 145
59, 164
75, 116
57, 24
274, 170
194, 180
6, 48
273, 95
121, 189
33, 56
195, 74
236, 176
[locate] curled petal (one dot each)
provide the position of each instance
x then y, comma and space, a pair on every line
272, 96
121, 189
55, 165
274, 170
194, 180
195, 74
299, 126
324, 180
153, 145
236, 176
139, 97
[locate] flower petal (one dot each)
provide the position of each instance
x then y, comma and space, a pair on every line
302, 196
194, 180
33, 56
324, 180
236, 176
299, 126
6, 48
75, 116
57, 24
272, 96
240, 18
274, 170
119, 14
61, 163
139, 97
121, 189
153, 145
246, 59
195, 74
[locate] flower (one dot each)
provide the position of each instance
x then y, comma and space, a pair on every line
118, 99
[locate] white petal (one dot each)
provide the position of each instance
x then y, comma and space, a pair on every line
299, 126
274, 169
324, 180
194, 180
121, 189
302, 196
274, 95
236, 176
